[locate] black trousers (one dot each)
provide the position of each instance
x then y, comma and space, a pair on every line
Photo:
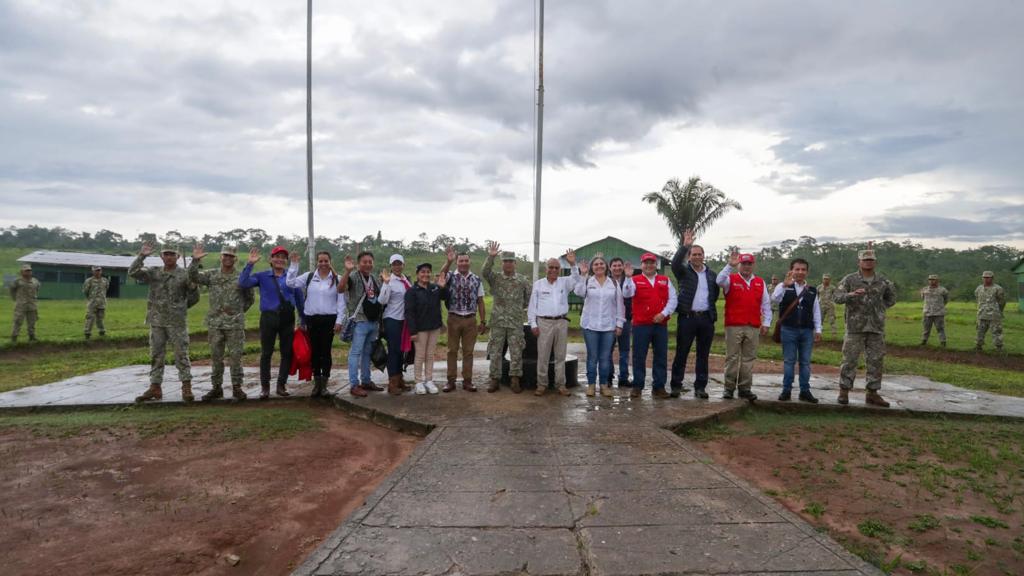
393, 334
697, 327
321, 338
274, 326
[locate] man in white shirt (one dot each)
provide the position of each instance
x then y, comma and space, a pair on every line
748, 315
799, 328
548, 315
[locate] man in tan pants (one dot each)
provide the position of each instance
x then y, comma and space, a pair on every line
748, 314
548, 316
465, 299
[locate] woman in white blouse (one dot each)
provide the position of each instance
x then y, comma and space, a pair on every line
602, 319
324, 311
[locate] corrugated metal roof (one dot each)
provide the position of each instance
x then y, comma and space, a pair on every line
82, 259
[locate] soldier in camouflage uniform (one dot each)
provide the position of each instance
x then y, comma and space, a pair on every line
867, 295
166, 313
991, 302
826, 293
225, 318
25, 292
95, 290
511, 292
935, 299
771, 290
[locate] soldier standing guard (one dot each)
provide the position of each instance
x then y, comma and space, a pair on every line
166, 313
25, 292
826, 293
511, 292
95, 290
867, 295
935, 299
991, 302
225, 318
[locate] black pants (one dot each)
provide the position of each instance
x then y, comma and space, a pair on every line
321, 338
689, 328
393, 334
274, 325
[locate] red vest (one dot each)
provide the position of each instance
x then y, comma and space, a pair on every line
649, 300
743, 304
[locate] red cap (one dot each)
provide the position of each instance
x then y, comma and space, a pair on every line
746, 258
648, 256
278, 250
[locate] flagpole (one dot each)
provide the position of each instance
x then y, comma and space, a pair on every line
540, 144
311, 249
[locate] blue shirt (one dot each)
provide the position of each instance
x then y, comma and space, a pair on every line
269, 300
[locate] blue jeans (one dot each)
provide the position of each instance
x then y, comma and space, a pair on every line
599, 355
622, 341
796, 345
655, 336
393, 334
363, 337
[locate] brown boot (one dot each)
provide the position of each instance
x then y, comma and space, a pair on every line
844, 396
395, 387
215, 393
468, 386
874, 399
153, 393
237, 393
516, 387
540, 391
281, 390
265, 391
357, 391
186, 392
449, 386
493, 385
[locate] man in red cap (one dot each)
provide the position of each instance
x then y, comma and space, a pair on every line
655, 300
748, 315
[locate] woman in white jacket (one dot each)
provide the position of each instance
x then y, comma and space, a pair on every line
324, 311
602, 319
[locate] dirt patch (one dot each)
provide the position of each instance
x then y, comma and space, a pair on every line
112, 502
911, 496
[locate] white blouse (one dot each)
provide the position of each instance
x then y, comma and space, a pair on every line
603, 309
322, 294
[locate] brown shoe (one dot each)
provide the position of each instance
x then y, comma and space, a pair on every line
372, 387
186, 392
357, 391
281, 391
265, 391
468, 386
606, 391
660, 393
449, 386
540, 391
844, 396
874, 399
493, 385
395, 385
154, 392
635, 393
516, 387
564, 392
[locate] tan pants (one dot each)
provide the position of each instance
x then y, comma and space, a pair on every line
462, 333
554, 335
740, 353
426, 343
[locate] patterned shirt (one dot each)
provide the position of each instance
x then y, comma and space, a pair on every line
465, 290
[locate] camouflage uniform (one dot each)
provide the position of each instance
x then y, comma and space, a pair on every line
991, 301
25, 293
865, 326
225, 320
95, 290
508, 315
826, 294
934, 312
166, 313
775, 305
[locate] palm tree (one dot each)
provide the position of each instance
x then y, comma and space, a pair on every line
695, 206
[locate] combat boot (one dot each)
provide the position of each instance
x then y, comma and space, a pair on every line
606, 391
153, 393
493, 385
516, 387
281, 390
264, 390
318, 387
395, 387
844, 396
874, 399
590, 390
215, 393
87, 336
237, 393
186, 392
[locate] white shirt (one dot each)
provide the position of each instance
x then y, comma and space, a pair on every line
766, 303
780, 290
673, 298
603, 309
322, 295
628, 287
700, 297
551, 298
392, 295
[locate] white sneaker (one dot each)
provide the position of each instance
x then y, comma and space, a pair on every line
431, 387
420, 388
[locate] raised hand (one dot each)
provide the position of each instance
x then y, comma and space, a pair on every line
570, 257
492, 248
442, 279
688, 238
628, 268
147, 249
254, 255
789, 279
734, 258
450, 254
584, 268
294, 256
197, 252
385, 276
350, 264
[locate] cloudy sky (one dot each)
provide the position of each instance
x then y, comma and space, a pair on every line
847, 121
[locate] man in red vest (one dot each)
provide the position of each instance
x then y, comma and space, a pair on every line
653, 303
748, 315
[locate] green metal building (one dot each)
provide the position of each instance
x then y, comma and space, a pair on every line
612, 247
61, 274
1018, 271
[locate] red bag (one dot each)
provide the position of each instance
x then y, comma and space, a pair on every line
302, 356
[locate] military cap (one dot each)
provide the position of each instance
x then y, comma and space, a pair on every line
826, 276
508, 256
987, 274
167, 249
229, 250
933, 276
97, 268
868, 254
26, 267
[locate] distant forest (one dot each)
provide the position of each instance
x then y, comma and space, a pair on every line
906, 263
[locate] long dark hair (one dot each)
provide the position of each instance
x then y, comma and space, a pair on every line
334, 275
